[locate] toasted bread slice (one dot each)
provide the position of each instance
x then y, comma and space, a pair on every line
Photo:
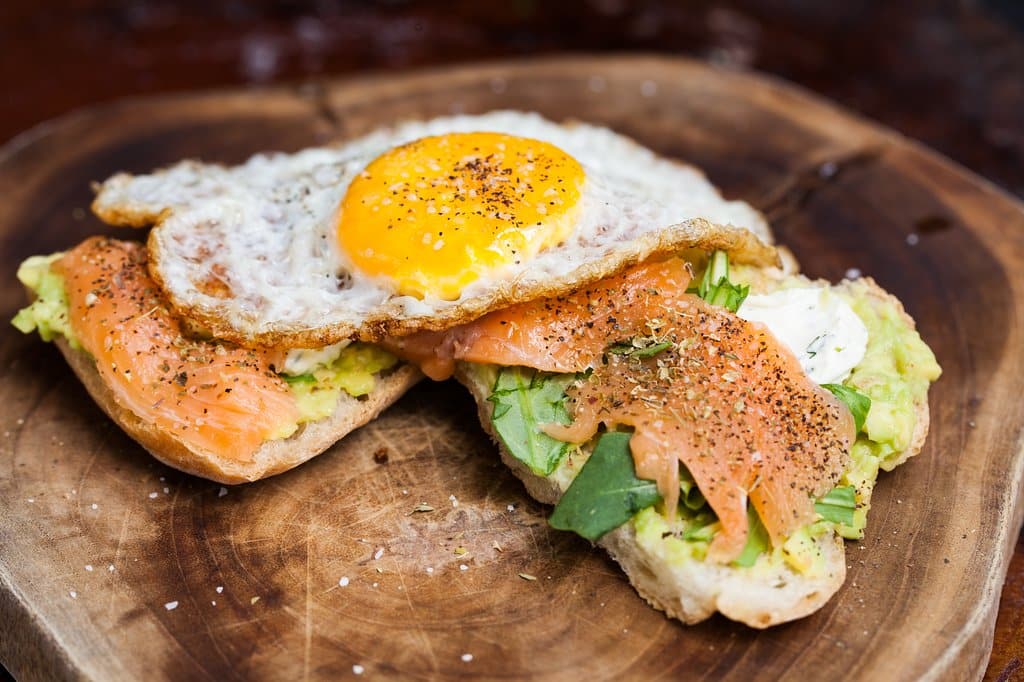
273, 457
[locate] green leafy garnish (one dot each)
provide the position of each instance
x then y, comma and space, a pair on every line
758, 541
837, 505
715, 287
523, 400
858, 403
606, 493
638, 349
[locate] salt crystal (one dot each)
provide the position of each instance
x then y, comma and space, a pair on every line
88, 567
379, 553
222, 492
74, 595
463, 567
358, 669
94, 505
453, 500
220, 588
153, 496
375, 584
511, 507
213, 603
853, 273
913, 239
171, 605
31, 499
166, 490
110, 568
344, 581
467, 657
430, 569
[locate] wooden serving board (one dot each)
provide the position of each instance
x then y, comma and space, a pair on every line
97, 541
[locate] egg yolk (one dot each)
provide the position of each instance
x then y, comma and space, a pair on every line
435, 215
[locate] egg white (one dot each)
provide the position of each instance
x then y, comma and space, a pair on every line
267, 230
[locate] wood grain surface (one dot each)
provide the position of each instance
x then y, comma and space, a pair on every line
97, 540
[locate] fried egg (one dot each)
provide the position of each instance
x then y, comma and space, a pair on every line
420, 226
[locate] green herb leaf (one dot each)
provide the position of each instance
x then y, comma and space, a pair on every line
641, 351
606, 493
758, 541
299, 378
837, 505
858, 403
524, 399
715, 287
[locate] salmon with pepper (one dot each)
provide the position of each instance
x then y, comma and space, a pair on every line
212, 396
698, 385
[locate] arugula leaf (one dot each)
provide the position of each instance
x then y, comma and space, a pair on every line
606, 493
758, 541
523, 400
298, 378
837, 505
858, 403
715, 287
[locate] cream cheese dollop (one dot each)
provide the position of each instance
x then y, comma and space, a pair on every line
821, 329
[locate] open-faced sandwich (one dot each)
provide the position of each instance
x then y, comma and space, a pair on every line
718, 431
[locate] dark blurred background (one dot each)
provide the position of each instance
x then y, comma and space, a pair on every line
950, 74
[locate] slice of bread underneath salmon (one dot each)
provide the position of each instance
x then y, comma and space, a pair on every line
274, 456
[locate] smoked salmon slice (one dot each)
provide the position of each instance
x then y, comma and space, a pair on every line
211, 396
697, 384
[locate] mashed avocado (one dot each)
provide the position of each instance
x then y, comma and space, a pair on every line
895, 373
48, 313
353, 371
317, 391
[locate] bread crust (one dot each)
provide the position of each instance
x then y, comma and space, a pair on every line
690, 590
273, 457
